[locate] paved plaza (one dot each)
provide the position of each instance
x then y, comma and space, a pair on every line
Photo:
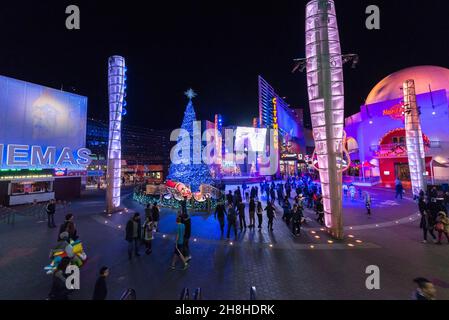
277, 264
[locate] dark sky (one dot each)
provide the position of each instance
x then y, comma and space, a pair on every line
216, 47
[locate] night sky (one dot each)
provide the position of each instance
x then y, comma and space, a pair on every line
216, 47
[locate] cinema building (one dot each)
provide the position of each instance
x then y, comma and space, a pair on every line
42, 143
376, 135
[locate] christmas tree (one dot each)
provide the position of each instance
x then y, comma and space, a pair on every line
192, 174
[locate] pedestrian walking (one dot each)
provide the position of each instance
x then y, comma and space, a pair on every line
287, 211
427, 225
368, 203
259, 214
187, 221
296, 220
232, 220
59, 290
242, 218
133, 235
271, 212
147, 234
148, 212
399, 188
252, 213
220, 212
51, 211
155, 216
101, 289
352, 192
442, 226
179, 243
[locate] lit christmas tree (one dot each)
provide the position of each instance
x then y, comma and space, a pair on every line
193, 174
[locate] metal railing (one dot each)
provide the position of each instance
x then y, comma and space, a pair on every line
185, 294
129, 294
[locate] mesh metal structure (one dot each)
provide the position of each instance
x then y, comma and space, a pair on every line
326, 101
116, 89
414, 137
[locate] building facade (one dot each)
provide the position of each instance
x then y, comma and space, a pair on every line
377, 135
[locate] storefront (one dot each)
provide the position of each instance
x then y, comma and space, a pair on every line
42, 144
377, 137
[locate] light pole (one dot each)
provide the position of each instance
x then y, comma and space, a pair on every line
324, 66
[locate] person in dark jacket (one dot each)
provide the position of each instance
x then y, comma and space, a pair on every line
296, 220
184, 205
320, 211
425, 291
69, 227
259, 214
155, 212
273, 195
51, 210
133, 234
270, 214
252, 213
148, 212
241, 211
230, 197
59, 290
101, 290
187, 233
220, 212
232, 220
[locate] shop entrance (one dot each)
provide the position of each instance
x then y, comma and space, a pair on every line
402, 171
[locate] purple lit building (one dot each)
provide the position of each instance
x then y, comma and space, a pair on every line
377, 137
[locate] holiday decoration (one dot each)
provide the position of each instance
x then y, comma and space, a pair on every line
192, 174
71, 249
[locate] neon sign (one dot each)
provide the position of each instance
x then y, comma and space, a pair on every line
396, 112
25, 156
275, 124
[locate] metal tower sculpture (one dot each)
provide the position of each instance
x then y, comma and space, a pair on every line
324, 64
414, 137
116, 89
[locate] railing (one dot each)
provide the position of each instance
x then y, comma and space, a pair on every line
353, 179
198, 294
252, 293
129, 294
185, 294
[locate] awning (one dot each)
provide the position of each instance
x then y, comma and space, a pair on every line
439, 164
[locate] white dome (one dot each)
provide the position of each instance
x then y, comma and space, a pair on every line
390, 87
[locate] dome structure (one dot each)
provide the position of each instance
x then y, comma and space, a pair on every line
390, 87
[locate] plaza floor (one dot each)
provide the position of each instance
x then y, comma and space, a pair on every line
277, 264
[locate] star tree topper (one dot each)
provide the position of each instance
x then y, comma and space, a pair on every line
190, 94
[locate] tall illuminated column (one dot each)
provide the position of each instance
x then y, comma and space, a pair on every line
415, 141
326, 100
116, 89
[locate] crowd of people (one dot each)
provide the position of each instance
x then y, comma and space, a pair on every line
67, 243
434, 215
292, 196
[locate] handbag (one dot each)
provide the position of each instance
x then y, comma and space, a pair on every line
439, 227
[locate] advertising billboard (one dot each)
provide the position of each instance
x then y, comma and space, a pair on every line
41, 127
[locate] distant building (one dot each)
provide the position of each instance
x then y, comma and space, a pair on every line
145, 153
376, 135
